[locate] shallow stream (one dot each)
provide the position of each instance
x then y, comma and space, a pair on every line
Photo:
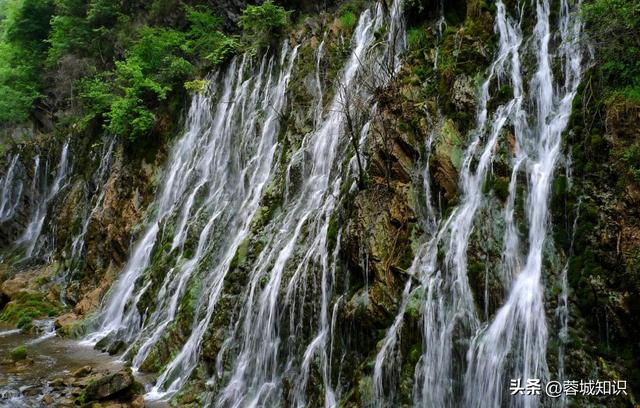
26, 383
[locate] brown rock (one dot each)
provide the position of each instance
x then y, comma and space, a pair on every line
138, 402
90, 301
83, 371
67, 402
57, 382
12, 287
65, 321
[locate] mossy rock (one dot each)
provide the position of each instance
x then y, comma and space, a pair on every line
27, 306
18, 353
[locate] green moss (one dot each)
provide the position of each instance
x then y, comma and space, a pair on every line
414, 303
365, 389
19, 353
332, 231
26, 307
449, 145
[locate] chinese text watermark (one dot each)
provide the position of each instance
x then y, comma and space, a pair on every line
555, 389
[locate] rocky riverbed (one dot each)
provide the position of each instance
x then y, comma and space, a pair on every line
48, 371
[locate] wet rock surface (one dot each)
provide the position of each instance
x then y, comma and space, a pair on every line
62, 373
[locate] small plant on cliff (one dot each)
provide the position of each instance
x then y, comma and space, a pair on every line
631, 157
263, 25
348, 20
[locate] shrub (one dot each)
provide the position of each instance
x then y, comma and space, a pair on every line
614, 28
348, 20
197, 85
70, 32
204, 38
153, 65
263, 24
631, 157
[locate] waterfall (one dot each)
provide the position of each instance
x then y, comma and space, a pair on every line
99, 179
212, 187
280, 335
268, 94
519, 326
29, 238
538, 113
449, 307
386, 370
211, 194
272, 343
10, 190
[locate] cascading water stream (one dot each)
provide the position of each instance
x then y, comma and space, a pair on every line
10, 190
269, 95
99, 179
266, 356
215, 180
204, 163
386, 368
211, 192
519, 326
30, 236
114, 318
449, 315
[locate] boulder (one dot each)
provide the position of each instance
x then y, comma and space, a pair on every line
90, 301
65, 322
108, 385
10, 288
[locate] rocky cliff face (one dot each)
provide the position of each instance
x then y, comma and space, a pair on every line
403, 179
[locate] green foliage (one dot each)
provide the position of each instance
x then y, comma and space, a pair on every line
157, 62
27, 26
26, 307
417, 38
197, 85
102, 13
24, 29
263, 24
70, 32
348, 20
631, 157
614, 27
19, 353
25, 322
121, 59
205, 39
96, 96
153, 65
